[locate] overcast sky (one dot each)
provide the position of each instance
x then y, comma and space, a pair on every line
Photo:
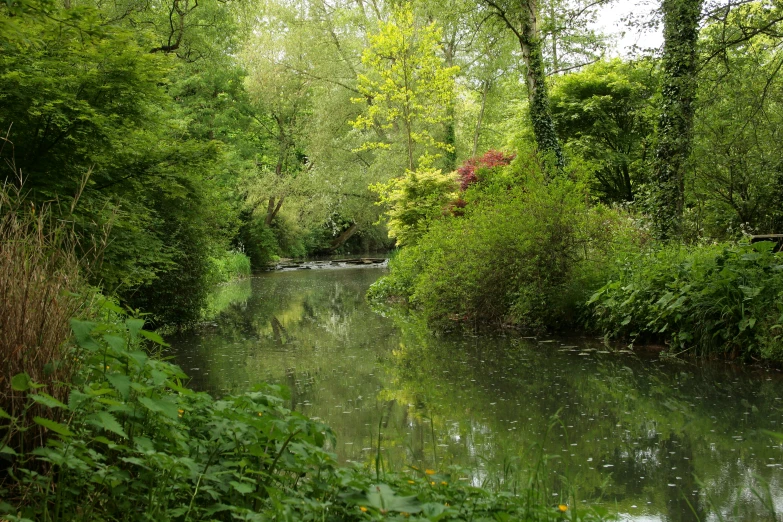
610, 20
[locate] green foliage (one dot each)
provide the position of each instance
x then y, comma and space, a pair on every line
526, 253
228, 267
605, 115
414, 201
407, 86
721, 299
89, 117
736, 176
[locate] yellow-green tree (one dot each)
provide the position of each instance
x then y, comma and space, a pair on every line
407, 89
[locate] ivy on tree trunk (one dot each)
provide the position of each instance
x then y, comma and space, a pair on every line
675, 126
527, 33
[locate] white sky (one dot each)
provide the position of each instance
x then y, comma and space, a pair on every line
611, 21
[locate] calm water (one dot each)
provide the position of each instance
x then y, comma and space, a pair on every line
650, 439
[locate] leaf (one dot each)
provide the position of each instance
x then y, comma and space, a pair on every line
56, 427
4, 414
382, 497
121, 383
117, 343
105, 420
47, 400
21, 382
76, 398
110, 305
134, 326
82, 331
8, 450
169, 409
154, 337
242, 487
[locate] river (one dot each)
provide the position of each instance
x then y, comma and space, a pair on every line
648, 438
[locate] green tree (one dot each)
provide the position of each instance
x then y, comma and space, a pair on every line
523, 21
737, 179
605, 114
407, 89
675, 126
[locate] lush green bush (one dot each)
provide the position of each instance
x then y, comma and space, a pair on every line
229, 266
527, 252
716, 299
415, 200
133, 443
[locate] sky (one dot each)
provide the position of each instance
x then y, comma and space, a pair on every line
610, 20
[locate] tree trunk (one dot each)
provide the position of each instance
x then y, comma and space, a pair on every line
675, 126
538, 97
343, 237
480, 118
272, 209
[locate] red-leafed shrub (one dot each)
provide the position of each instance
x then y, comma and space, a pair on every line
470, 171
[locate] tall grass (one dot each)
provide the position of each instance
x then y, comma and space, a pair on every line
39, 280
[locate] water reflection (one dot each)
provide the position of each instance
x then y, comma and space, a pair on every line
651, 439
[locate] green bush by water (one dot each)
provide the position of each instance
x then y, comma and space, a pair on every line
718, 299
230, 266
527, 252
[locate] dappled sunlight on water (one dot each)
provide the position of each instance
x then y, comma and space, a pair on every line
651, 439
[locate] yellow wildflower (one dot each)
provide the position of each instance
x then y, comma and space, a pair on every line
181, 412
411, 482
259, 413
443, 483
563, 508
363, 509
429, 471
433, 483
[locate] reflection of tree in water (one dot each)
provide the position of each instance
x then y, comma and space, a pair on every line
491, 402
630, 426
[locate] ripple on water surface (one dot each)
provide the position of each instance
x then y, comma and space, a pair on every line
651, 439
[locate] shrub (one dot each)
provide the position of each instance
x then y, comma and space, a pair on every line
229, 266
717, 299
476, 169
527, 256
414, 201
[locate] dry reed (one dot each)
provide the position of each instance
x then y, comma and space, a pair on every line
39, 281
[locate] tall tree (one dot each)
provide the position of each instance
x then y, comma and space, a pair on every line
407, 87
675, 126
522, 18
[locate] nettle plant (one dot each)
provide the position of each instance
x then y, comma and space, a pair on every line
135, 444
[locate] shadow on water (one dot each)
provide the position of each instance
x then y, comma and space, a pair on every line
651, 439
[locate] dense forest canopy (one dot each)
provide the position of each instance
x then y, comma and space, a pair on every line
181, 130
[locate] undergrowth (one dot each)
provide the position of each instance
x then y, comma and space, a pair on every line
720, 299
524, 251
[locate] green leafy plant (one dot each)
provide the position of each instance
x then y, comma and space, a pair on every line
715, 299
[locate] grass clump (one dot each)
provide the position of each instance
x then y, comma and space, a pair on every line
40, 276
231, 265
724, 299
